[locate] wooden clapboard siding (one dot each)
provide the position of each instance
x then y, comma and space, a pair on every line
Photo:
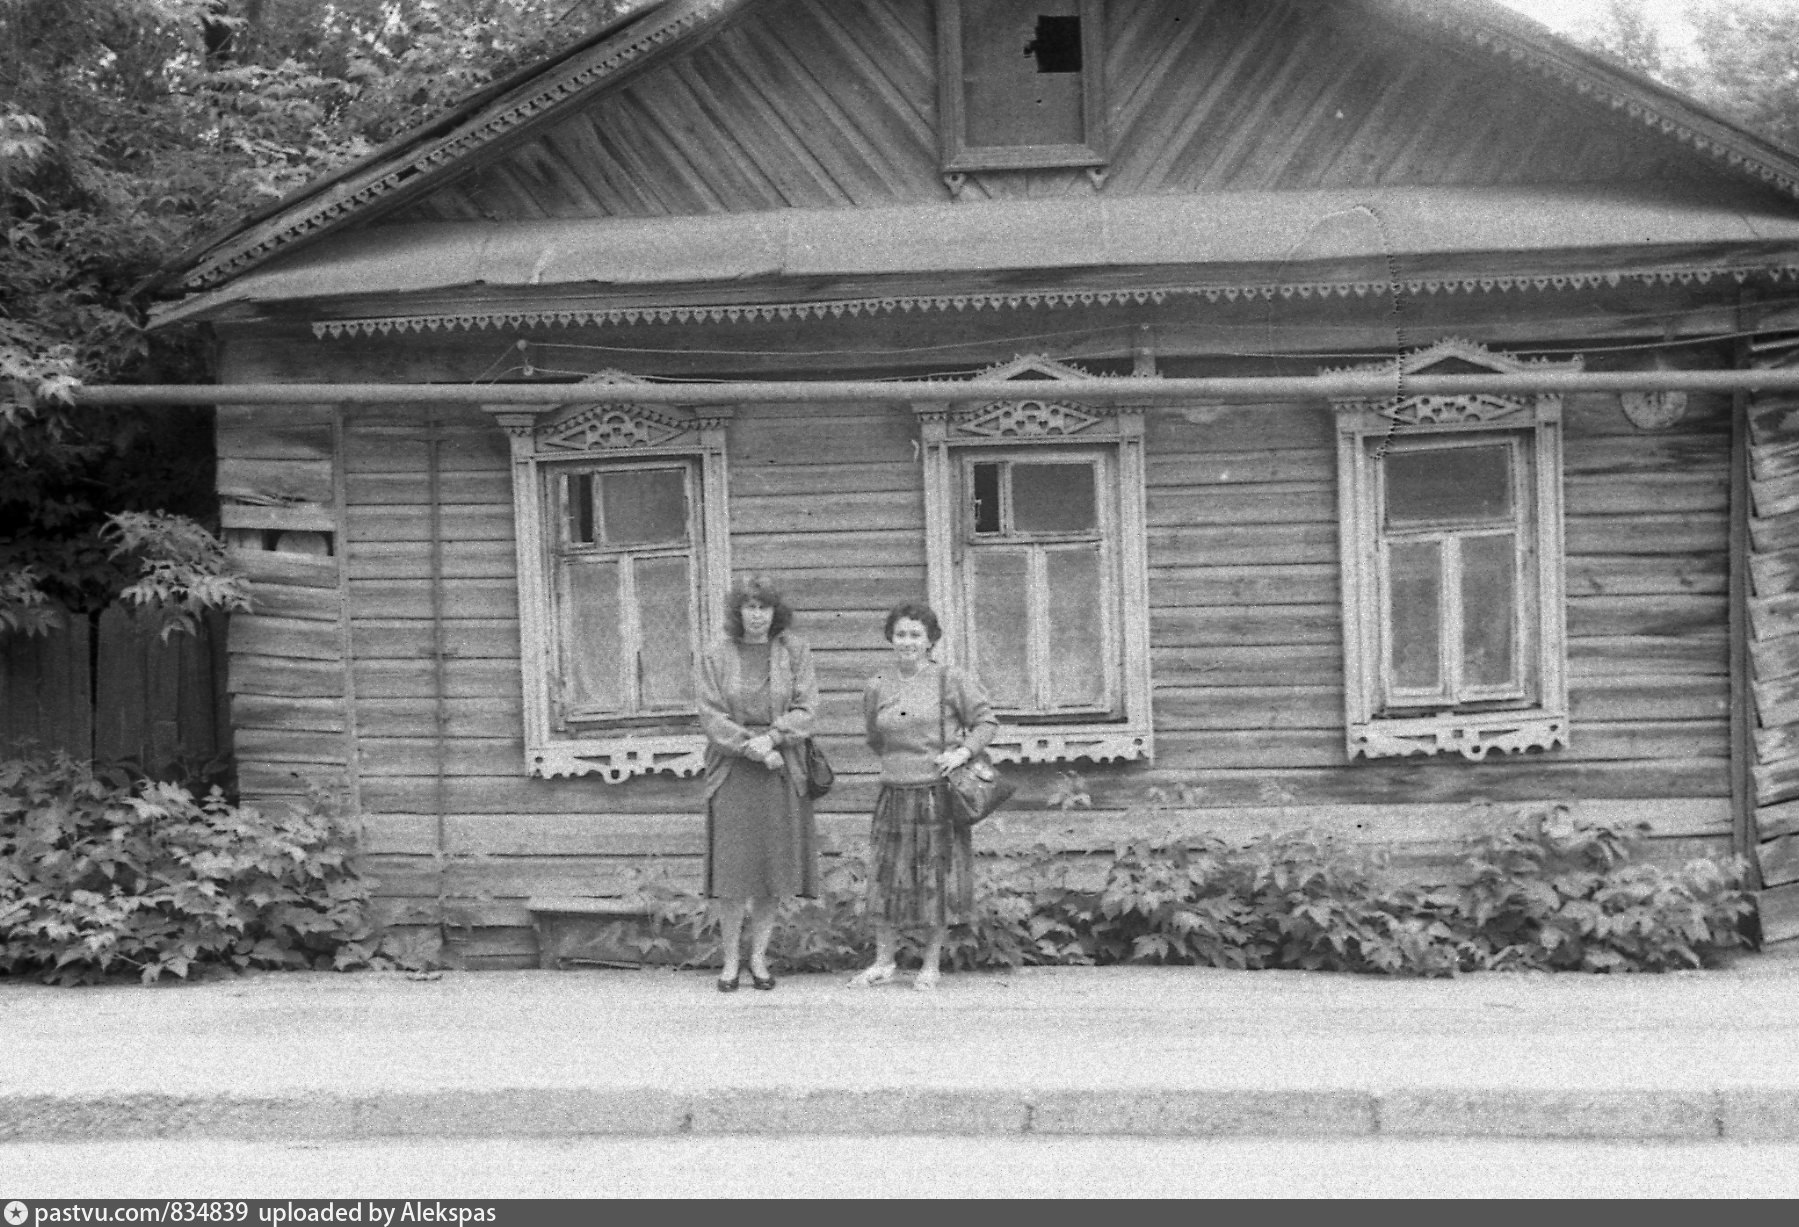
1773, 648
820, 104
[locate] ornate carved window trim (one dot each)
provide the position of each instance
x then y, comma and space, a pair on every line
960, 154
949, 434
613, 430
1535, 716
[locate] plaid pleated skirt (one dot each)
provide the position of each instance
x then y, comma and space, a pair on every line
923, 873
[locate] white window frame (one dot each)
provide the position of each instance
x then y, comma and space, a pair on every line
1531, 713
610, 434
952, 436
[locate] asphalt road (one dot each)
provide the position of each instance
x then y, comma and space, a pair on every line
896, 1167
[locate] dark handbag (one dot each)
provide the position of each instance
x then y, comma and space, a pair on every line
819, 773
976, 788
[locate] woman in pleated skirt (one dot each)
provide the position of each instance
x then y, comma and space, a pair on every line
923, 720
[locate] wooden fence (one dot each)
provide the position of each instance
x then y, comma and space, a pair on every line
109, 688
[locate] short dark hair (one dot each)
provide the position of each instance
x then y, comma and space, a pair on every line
761, 590
915, 611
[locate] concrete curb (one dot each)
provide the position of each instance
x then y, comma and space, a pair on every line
1740, 1114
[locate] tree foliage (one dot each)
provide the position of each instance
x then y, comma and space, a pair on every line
1740, 57
129, 131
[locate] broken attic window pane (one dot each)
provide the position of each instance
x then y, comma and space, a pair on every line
1057, 45
1007, 98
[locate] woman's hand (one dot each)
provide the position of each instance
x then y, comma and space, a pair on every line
952, 758
759, 747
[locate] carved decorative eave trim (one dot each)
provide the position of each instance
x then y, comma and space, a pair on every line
600, 417
1717, 140
657, 30
1108, 744
886, 306
1474, 738
617, 759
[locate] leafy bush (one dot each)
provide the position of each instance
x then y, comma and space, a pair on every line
1548, 892
100, 874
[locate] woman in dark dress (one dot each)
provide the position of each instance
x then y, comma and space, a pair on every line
757, 695
924, 720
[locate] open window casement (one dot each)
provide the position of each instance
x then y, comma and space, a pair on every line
623, 554
1034, 515
1451, 534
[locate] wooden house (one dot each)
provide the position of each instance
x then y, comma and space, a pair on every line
1375, 618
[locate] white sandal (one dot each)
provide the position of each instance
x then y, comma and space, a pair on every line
870, 977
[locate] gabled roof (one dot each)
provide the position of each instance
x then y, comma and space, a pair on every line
505, 116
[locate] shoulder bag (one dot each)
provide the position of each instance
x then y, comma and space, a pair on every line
819, 775
976, 788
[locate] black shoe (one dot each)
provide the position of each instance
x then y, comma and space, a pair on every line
765, 983
730, 986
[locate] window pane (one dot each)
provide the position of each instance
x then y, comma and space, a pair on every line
1489, 572
1449, 484
1077, 637
1053, 498
1018, 89
644, 506
984, 515
663, 611
1416, 596
999, 602
578, 499
590, 648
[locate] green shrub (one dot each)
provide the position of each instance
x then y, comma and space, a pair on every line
1548, 892
101, 874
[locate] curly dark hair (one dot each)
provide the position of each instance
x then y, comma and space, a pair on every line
915, 611
761, 590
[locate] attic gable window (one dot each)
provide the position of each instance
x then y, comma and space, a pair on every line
1019, 84
1451, 507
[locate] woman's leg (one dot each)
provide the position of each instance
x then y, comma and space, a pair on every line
932, 956
762, 928
730, 921
886, 951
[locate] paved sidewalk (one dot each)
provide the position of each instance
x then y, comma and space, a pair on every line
1143, 1051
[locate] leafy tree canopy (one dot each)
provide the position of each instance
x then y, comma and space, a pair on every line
1740, 57
130, 130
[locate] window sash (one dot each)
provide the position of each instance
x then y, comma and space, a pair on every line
580, 691
1454, 621
1049, 685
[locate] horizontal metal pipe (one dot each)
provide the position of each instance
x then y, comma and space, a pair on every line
1099, 389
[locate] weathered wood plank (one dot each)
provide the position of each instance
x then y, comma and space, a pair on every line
1779, 912
1234, 626
1773, 821
1699, 491
271, 567
306, 603
1779, 860
487, 638
1016, 830
1645, 574
478, 522
1289, 503
412, 488
1240, 544
1648, 656
1237, 707
462, 597
864, 552
1646, 533
394, 560
277, 713
1253, 665
1614, 699
294, 432
1774, 616
1775, 659
827, 510
488, 716
1774, 574
254, 478
1673, 615
284, 676
1775, 496
417, 678
1774, 532
1776, 702
289, 745
256, 635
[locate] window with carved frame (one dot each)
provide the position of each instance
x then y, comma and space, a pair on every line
623, 555
1020, 84
1034, 515
1452, 558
